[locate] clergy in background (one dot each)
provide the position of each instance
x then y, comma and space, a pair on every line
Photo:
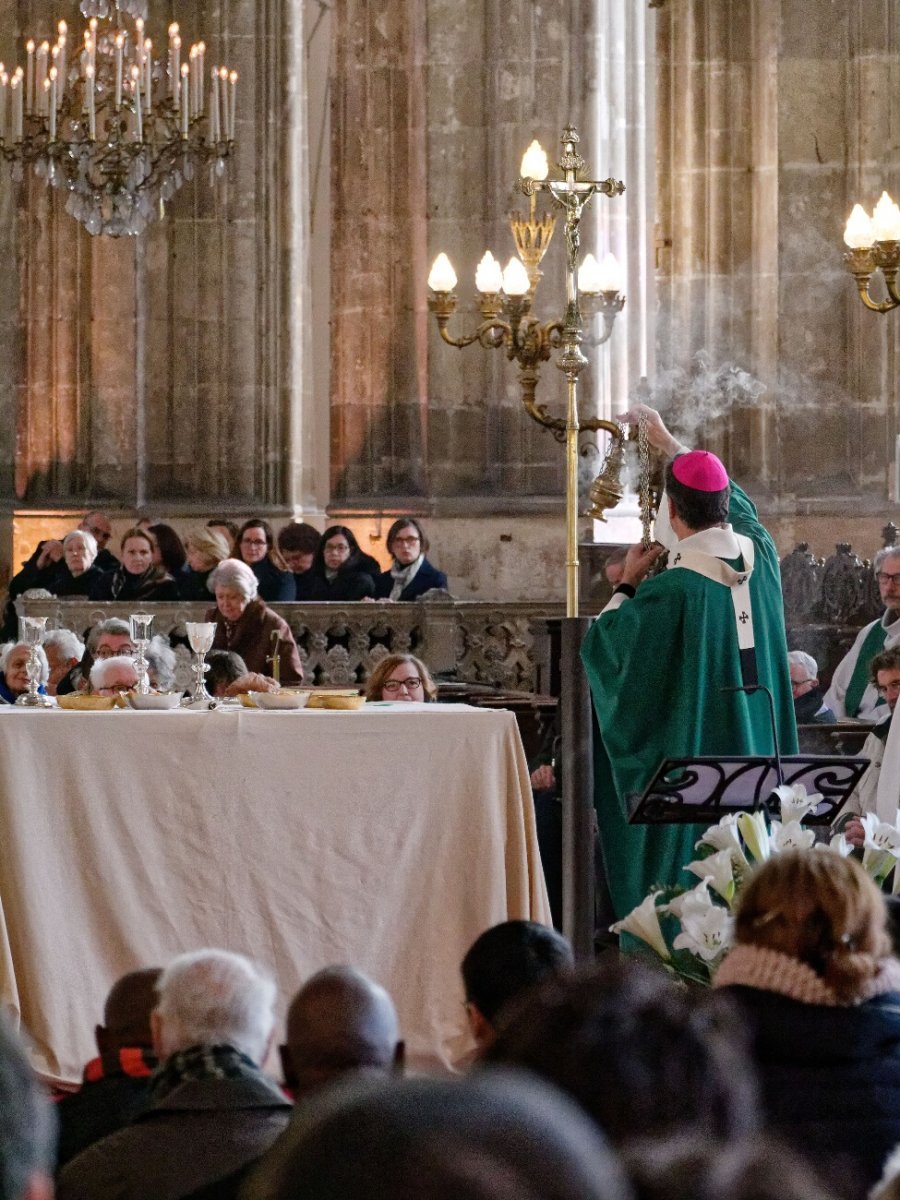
660, 654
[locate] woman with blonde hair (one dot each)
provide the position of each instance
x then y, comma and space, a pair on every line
205, 549
401, 677
813, 975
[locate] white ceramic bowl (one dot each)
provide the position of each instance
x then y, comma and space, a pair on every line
159, 700
279, 699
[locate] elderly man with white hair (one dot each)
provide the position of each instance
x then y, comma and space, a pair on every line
14, 671
64, 650
110, 676
809, 701
247, 626
212, 1109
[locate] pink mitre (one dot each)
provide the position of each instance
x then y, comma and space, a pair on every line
700, 470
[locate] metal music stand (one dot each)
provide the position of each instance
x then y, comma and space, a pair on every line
694, 791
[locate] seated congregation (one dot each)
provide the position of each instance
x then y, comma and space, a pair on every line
607, 1081
298, 563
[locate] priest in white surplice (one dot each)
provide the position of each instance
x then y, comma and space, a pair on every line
851, 695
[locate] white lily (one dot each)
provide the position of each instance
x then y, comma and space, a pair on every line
755, 833
643, 923
837, 845
791, 836
696, 900
719, 869
881, 848
724, 836
708, 934
795, 803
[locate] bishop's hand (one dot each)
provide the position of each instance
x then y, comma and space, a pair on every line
638, 562
657, 434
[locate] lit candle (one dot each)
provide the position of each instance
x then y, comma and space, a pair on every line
61, 62
489, 275
442, 277
43, 54
4, 84
610, 275
201, 73
148, 75
860, 232
232, 114
138, 113
515, 278
176, 67
223, 103
214, 107
120, 59
589, 276
534, 163
886, 220
185, 99
91, 103
173, 61
45, 97
192, 60
93, 47
53, 102
29, 98
17, 103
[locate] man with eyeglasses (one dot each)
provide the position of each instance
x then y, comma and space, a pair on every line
852, 695
879, 789
809, 705
97, 523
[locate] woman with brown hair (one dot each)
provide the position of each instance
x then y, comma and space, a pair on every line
401, 677
137, 578
256, 547
813, 974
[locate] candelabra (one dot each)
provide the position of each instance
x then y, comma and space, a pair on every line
200, 636
505, 302
117, 129
140, 634
32, 634
874, 245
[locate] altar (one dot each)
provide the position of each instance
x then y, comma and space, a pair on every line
387, 838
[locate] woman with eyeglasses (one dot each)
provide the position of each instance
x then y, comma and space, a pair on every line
401, 677
338, 571
411, 575
256, 547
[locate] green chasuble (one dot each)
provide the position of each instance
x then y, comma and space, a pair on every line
656, 667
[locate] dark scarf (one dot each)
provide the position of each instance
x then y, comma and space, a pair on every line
126, 586
199, 1063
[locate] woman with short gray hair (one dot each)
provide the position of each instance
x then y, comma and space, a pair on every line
247, 626
14, 671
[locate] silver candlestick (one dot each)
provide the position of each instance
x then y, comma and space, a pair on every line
140, 635
31, 632
200, 636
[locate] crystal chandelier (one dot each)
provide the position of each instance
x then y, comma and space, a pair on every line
116, 128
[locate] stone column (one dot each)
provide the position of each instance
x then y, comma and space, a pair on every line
172, 371
773, 118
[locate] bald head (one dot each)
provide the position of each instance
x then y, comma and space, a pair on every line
340, 1021
126, 1014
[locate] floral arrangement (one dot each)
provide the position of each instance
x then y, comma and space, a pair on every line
691, 930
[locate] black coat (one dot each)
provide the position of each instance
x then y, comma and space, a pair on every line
426, 578
350, 583
122, 585
202, 1131
192, 585
830, 1080
275, 586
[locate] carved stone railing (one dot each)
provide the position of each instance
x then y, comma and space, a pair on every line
504, 646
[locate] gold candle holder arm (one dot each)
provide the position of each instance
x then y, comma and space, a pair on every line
862, 264
608, 305
491, 333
